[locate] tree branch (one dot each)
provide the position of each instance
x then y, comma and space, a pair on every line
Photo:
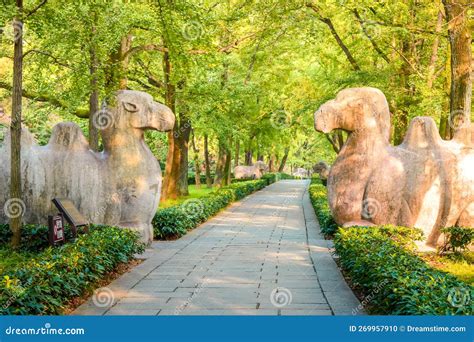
372, 41
47, 54
34, 10
79, 112
339, 41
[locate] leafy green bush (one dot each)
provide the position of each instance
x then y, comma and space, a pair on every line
34, 237
458, 239
380, 262
318, 195
175, 221
44, 284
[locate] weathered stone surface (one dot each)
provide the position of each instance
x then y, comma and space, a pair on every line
255, 171
119, 186
425, 182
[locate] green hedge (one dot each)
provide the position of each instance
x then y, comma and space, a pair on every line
44, 284
34, 237
318, 195
381, 261
175, 221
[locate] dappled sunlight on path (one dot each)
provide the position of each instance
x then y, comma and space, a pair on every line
263, 255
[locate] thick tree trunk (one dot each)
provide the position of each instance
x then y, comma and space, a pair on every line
284, 159
125, 45
460, 40
15, 128
207, 162
94, 95
170, 181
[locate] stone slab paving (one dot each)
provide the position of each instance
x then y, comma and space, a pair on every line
264, 255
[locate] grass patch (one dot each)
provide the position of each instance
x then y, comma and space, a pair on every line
457, 264
194, 193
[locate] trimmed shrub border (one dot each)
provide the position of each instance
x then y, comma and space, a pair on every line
318, 196
381, 262
46, 283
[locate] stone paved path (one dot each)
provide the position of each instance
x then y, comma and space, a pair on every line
263, 255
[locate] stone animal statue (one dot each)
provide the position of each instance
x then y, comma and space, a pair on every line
301, 173
322, 169
119, 186
426, 182
254, 171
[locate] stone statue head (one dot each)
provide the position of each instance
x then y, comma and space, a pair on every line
355, 109
134, 111
261, 165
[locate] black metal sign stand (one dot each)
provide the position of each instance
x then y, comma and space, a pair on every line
72, 215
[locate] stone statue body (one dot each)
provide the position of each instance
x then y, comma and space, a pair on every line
255, 171
119, 186
426, 182
301, 173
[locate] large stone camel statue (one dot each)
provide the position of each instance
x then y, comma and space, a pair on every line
119, 186
425, 182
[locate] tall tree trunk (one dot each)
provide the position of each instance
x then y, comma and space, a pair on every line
221, 159
197, 166
227, 169
248, 157
237, 152
207, 161
401, 122
125, 45
284, 159
460, 40
434, 51
94, 95
183, 143
15, 128
170, 182
270, 162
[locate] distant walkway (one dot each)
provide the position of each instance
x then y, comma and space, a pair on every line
263, 255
